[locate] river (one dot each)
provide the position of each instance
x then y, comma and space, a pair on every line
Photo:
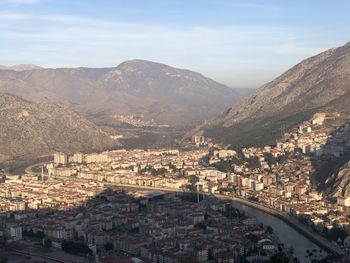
286, 234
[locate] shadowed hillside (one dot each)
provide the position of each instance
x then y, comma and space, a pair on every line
29, 130
320, 83
136, 92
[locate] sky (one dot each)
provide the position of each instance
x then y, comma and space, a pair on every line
241, 43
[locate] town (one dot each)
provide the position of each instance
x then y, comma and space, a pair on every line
131, 201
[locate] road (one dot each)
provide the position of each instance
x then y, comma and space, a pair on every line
29, 169
38, 257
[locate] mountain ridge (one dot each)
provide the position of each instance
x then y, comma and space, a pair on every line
20, 67
29, 130
321, 82
160, 93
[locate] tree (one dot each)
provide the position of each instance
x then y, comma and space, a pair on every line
193, 182
157, 172
194, 179
281, 159
254, 162
269, 230
279, 257
336, 233
40, 234
76, 248
37, 235
252, 238
173, 167
47, 243
223, 166
269, 158
109, 246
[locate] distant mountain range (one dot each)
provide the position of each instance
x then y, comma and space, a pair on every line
151, 91
29, 130
319, 83
21, 67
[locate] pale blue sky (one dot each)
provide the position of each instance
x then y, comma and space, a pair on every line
240, 43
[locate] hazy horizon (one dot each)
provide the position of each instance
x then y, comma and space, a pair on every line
63, 67
242, 45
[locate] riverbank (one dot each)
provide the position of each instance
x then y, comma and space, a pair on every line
314, 237
296, 225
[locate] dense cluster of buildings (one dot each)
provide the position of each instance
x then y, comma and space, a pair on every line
199, 140
157, 168
170, 229
152, 226
136, 120
283, 177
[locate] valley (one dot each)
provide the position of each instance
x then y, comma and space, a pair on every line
284, 150
194, 131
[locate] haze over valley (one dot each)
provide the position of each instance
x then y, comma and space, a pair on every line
169, 131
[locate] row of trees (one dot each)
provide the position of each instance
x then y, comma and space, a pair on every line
79, 248
155, 172
253, 162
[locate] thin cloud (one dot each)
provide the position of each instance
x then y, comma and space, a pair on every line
19, 2
68, 40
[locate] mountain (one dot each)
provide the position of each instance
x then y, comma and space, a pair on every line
29, 130
319, 83
135, 91
338, 184
21, 67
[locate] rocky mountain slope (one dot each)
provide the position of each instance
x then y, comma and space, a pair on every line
338, 183
319, 83
148, 90
30, 129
